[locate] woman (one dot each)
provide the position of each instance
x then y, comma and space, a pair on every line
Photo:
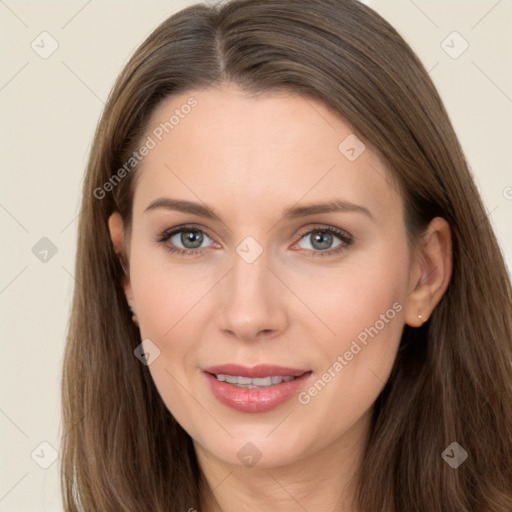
289, 295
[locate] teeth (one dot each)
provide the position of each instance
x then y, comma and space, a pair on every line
263, 381
246, 382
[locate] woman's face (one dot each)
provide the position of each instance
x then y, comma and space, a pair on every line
258, 276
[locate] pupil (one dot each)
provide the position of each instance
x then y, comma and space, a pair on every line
322, 240
194, 238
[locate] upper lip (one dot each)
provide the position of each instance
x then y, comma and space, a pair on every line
253, 372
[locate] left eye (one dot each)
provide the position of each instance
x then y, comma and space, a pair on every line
322, 239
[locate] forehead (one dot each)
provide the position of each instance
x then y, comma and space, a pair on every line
238, 149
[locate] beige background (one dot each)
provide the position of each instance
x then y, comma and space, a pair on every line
50, 108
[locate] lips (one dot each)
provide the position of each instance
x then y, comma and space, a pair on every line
255, 389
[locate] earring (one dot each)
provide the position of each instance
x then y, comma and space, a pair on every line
134, 317
422, 319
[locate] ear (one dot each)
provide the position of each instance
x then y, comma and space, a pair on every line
430, 272
116, 228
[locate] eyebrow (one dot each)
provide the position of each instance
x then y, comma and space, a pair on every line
293, 212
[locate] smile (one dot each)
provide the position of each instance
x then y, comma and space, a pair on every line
255, 389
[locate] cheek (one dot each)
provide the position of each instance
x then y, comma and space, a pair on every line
364, 292
169, 302
168, 305
364, 307
166, 295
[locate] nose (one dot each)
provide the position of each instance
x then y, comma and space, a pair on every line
251, 300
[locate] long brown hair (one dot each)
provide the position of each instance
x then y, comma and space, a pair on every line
452, 379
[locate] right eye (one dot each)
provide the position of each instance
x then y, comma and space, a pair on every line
185, 240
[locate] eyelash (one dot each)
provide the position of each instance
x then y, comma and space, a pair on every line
346, 239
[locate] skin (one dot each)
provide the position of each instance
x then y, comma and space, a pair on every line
249, 158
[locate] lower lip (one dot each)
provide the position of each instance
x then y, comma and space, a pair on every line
256, 399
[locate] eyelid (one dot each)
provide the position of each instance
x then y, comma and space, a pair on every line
326, 227
184, 227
